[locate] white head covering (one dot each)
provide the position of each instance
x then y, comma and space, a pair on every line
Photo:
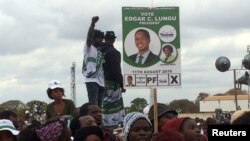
7, 125
130, 119
55, 84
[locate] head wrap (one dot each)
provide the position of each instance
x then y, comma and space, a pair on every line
52, 131
175, 124
130, 119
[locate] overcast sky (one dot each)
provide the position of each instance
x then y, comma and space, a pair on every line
40, 39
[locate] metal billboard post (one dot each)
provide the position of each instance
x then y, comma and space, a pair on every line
154, 92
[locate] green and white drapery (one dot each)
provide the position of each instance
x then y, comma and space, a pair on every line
113, 107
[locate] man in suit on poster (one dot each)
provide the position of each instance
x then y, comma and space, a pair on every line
144, 55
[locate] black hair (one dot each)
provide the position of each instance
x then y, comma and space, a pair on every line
130, 77
28, 133
210, 121
84, 109
168, 47
75, 123
146, 33
84, 132
6, 114
98, 34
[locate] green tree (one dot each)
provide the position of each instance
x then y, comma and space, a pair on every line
127, 109
137, 105
36, 106
184, 106
16, 106
37, 110
200, 97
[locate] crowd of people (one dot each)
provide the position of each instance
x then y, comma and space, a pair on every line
87, 125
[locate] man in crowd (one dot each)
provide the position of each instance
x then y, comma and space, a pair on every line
92, 64
113, 82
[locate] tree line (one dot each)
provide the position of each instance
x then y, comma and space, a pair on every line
36, 107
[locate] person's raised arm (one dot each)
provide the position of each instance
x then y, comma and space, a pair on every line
91, 31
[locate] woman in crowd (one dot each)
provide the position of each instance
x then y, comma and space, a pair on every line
137, 127
8, 132
186, 126
59, 106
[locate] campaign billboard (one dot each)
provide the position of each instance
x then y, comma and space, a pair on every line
151, 47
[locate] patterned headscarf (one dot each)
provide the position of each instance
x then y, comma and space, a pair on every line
130, 119
52, 131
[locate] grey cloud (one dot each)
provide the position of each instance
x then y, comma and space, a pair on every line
40, 39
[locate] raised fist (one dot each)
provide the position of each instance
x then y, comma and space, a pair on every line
95, 19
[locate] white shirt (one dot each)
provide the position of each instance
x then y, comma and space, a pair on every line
92, 69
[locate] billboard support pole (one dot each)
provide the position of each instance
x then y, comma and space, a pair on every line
154, 91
